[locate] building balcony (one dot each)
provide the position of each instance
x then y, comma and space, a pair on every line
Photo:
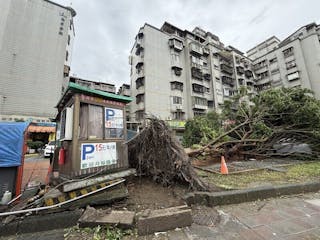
227, 80
196, 73
140, 52
196, 49
140, 73
240, 70
205, 70
140, 106
226, 69
139, 65
196, 65
198, 106
207, 77
206, 51
248, 73
177, 70
177, 45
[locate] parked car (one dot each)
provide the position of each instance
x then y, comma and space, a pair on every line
49, 148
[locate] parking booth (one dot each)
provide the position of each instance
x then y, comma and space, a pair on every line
92, 132
12, 150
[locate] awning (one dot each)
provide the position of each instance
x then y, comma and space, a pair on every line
41, 129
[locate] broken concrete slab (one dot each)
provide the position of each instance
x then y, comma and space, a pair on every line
92, 181
164, 219
93, 217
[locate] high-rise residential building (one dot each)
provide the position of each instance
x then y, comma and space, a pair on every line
177, 74
36, 38
293, 62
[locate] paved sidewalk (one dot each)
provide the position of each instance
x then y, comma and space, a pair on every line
282, 218
287, 218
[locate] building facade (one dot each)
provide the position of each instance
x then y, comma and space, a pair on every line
293, 62
177, 74
36, 38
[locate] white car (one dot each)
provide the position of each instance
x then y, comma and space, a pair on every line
49, 149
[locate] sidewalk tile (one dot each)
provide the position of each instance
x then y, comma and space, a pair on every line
265, 232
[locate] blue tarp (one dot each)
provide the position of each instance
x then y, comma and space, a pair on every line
11, 143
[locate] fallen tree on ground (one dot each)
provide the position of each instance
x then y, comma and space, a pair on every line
156, 152
276, 123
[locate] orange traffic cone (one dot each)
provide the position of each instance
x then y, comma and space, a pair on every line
224, 168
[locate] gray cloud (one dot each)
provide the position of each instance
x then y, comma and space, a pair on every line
105, 30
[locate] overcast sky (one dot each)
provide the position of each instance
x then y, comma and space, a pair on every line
105, 29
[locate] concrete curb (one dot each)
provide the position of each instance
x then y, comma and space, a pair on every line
247, 195
41, 223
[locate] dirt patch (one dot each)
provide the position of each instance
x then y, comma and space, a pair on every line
146, 194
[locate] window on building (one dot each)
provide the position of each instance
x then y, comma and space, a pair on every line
293, 76
197, 88
199, 113
210, 104
139, 98
177, 86
178, 115
200, 101
288, 52
69, 39
139, 115
273, 60
176, 100
67, 56
290, 64
139, 82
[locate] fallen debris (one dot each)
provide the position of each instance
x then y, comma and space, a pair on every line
163, 219
88, 182
157, 153
94, 217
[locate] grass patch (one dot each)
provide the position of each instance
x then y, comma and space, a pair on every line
98, 233
295, 174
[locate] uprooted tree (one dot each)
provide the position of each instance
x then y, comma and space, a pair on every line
157, 153
259, 127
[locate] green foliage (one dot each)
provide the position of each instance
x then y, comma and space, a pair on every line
35, 144
202, 129
281, 113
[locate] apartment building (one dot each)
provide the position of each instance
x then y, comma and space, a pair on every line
36, 38
101, 86
177, 74
293, 62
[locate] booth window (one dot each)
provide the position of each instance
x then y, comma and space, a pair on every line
94, 118
91, 121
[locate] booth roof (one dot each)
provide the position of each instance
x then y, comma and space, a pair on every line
73, 87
